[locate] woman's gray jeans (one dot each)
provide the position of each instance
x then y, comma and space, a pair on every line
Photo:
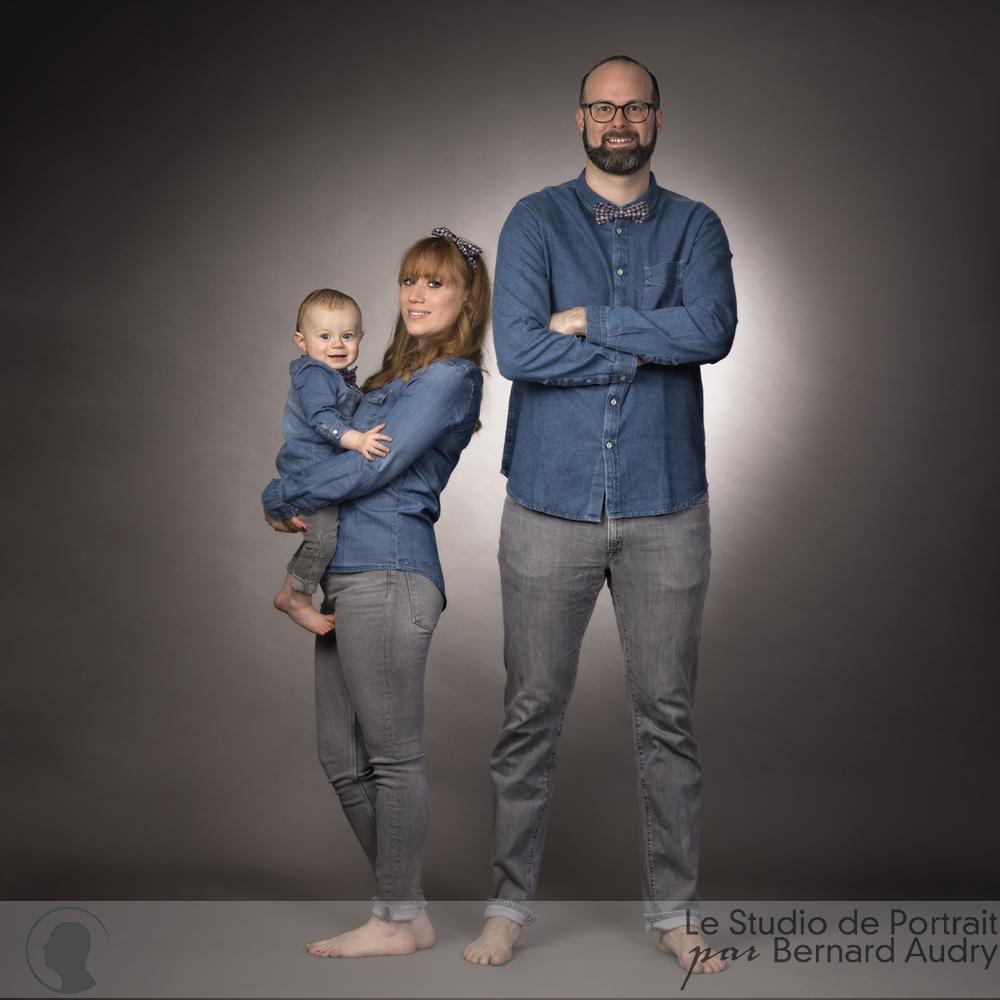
370, 718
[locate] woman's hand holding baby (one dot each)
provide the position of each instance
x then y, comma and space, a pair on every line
291, 525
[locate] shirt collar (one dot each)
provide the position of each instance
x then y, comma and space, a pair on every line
590, 198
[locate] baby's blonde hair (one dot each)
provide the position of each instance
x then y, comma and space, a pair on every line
328, 298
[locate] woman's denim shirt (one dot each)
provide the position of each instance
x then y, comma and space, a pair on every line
389, 505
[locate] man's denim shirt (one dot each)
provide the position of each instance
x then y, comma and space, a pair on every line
389, 506
319, 406
586, 427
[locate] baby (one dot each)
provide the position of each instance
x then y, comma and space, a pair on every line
321, 400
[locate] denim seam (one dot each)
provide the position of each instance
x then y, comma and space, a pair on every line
617, 516
390, 876
639, 754
530, 873
364, 568
356, 769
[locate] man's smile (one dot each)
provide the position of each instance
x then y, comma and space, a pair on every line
620, 137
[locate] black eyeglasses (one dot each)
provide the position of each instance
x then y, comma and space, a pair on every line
603, 112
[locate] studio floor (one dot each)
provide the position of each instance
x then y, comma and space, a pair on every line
576, 949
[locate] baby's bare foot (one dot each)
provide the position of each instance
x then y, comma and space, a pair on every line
496, 944
377, 937
682, 943
298, 607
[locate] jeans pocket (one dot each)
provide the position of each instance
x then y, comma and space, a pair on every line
425, 602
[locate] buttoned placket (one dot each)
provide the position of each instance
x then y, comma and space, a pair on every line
619, 232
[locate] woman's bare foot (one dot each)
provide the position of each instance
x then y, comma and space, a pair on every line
496, 944
682, 943
298, 606
378, 937
423, 932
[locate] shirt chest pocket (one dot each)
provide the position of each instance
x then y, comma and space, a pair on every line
373, 408
663, 285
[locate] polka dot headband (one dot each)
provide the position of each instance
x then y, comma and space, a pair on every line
468, 250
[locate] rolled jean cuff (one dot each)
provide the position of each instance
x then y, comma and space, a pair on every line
667, 920
512, 911
406, 909
302, 586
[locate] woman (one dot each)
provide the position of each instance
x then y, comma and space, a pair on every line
385, 583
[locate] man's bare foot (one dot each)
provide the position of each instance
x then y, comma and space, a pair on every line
377, 937
496, 944
681, 943
298, 606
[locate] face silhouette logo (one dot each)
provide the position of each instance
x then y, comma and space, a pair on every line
65, 948
66, 954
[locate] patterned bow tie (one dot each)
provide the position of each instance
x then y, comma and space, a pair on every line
603, 212
350, 377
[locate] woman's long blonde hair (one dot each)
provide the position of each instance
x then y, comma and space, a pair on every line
438, 259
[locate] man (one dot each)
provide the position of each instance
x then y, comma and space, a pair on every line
610, 292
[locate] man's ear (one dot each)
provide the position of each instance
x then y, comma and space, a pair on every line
659, 120
300, 342
580, 119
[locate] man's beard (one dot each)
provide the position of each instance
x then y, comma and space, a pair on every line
620, 161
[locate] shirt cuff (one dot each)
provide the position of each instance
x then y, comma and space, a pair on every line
597, 333
273, 504
333, 432
597, 325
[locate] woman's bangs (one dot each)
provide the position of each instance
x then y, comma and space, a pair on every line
434, 262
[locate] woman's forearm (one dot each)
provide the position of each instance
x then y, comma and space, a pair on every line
433, 402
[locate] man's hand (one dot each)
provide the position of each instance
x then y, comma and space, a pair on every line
571, 321
291, 525
574, 322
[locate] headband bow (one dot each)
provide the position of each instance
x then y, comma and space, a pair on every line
468, 250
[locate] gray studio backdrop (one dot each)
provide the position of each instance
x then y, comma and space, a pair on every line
178, 176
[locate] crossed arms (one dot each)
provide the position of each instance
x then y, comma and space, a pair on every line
608, 339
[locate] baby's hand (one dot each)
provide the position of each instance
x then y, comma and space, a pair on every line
370, 444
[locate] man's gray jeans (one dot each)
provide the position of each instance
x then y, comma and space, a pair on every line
551, 571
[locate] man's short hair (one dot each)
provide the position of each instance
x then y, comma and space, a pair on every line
628, 59
328, 298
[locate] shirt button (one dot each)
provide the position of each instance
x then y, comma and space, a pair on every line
608, 445
614, 402
619, 232
623, 378
589, 380
620, 271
